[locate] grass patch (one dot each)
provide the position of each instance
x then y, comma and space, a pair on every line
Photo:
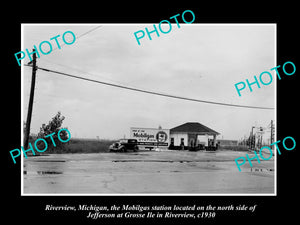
78, 145
87, 146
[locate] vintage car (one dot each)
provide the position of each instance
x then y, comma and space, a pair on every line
124, 145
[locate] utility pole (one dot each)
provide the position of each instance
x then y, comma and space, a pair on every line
30, 104
272, 133
252, 140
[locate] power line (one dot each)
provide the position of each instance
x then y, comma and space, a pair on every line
81, 35
89, 31
151, 92
88, 73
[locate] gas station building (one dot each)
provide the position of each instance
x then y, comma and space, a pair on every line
192, 135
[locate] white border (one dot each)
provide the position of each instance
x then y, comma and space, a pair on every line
151, 194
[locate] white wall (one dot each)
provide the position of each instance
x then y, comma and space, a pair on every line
177, 137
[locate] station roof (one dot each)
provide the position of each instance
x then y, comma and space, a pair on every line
194, 127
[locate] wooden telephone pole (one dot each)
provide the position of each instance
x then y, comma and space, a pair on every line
252, 139
30, 104
272, 133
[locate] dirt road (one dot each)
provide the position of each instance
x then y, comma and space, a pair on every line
149, 172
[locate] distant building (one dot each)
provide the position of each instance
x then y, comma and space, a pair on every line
188, 136
193, 135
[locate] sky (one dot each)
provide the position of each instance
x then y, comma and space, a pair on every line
200, 61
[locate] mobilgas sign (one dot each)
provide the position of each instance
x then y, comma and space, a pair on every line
150, 136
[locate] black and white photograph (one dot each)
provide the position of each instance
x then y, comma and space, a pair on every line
146, 112
149, 113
